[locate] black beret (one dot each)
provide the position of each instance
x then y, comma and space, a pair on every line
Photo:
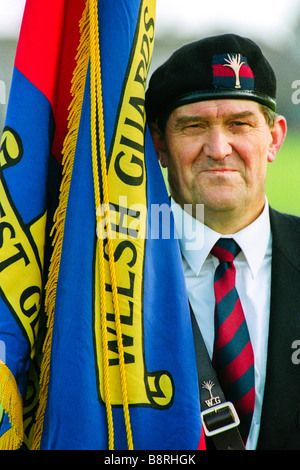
218, 67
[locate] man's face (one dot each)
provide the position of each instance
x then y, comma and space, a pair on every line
217, 153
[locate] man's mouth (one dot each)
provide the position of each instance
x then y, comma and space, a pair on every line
220, 170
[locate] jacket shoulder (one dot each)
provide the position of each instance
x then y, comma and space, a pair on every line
282, 217
286, 235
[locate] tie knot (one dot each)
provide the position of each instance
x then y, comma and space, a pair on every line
226, 249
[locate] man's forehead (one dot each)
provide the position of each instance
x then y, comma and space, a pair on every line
216, 108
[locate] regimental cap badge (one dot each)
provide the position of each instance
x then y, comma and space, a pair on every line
235, 63
231, 70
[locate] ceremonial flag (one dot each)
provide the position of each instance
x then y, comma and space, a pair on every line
118, 366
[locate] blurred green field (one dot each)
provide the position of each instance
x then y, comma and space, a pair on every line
283, 177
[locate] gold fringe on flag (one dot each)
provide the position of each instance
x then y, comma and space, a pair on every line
11, 403
88, 51
77, 92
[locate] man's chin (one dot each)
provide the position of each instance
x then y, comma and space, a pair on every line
225, 198
221, 204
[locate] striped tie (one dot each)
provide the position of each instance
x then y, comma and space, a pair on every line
233, 356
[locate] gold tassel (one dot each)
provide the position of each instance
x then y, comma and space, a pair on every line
11, 403
89, 45
97, 127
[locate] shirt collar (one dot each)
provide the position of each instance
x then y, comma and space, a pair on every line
254, 240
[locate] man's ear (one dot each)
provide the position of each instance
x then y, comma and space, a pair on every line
278, 133
159, 143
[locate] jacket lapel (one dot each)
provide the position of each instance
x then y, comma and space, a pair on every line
282, 398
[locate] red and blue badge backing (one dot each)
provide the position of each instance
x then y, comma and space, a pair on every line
224, 77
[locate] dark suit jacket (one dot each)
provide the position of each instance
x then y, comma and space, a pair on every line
280, 422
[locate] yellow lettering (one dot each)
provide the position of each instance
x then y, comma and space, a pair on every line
20, 257
127, 177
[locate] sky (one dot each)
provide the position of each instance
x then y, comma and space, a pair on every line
268, 20
271, 20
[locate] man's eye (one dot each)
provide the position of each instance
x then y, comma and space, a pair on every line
195, 126
239, 123
243, 124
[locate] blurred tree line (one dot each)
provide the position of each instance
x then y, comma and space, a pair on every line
284, 59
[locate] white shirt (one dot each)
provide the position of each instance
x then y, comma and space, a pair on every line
253, 280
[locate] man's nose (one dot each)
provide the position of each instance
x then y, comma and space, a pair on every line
217, 145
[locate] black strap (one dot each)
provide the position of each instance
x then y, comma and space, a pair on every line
229, 439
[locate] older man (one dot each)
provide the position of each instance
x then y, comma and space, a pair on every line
211, 109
